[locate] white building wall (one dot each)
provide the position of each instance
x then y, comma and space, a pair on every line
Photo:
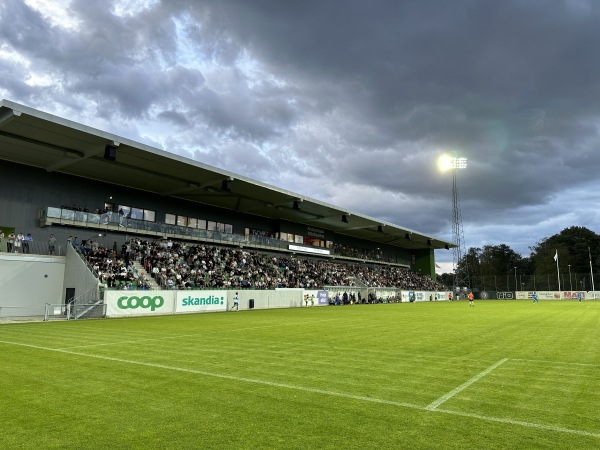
30, 281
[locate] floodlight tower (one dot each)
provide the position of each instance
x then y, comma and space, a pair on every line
458, 239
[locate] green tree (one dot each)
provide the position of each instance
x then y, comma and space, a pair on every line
574, 245
446, 279
493, 267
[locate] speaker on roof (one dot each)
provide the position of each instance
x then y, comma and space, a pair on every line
110, 152
226, 185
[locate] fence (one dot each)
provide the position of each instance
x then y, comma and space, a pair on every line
10, 314
549, 282
49, 312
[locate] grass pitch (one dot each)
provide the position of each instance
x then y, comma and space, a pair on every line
504, 374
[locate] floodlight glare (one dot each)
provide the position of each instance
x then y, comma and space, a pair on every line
446, 163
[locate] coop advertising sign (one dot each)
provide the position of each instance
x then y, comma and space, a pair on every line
197, 301
138, 303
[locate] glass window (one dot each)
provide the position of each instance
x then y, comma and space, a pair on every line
109, 206
202, 224
170, 219
193, 223
220, 227
149, 216
228, 228
137, 213
299, 239
126, 209
211, 226
182, 221
283, 236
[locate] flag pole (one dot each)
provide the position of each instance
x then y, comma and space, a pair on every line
591, 271
557, 269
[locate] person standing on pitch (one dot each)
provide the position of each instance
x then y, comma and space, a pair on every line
535, 297
579, 296
236, 302
471, 296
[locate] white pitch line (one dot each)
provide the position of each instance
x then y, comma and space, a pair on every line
322, 391
520, 423
433, 405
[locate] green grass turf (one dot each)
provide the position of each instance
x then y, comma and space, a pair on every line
504, 374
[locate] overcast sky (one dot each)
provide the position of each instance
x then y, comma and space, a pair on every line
347, 101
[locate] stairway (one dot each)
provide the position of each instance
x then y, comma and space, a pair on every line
357, 282
143, 274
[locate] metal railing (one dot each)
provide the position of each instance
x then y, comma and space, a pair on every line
32, 248
10, 314
114, 221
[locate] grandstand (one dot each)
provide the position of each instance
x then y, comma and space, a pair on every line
126, 215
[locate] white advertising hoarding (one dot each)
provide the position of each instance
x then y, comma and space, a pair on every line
138, 303
199, 301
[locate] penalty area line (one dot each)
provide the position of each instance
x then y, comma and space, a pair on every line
324, 391
433, 405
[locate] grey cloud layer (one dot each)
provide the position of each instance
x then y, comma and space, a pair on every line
330, 98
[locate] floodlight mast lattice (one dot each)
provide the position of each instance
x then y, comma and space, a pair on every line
458, 238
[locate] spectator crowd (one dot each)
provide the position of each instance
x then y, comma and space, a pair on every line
179, 265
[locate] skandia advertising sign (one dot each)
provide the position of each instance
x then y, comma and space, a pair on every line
138, 303
196, 301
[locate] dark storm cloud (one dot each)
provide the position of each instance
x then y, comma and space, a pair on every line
350, 102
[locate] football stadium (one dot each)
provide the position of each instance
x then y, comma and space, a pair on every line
151, 301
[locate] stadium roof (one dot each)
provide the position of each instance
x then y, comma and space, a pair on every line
35, 138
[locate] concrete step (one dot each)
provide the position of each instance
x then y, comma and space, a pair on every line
143, 273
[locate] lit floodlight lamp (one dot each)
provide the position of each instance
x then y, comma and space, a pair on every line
447, 162
459, 163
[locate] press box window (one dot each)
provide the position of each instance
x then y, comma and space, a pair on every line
170, 219
149, 216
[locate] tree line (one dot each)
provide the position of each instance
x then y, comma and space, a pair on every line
499, 267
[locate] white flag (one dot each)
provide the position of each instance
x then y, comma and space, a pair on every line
556, 256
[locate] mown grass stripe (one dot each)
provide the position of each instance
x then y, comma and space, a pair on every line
430, 408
